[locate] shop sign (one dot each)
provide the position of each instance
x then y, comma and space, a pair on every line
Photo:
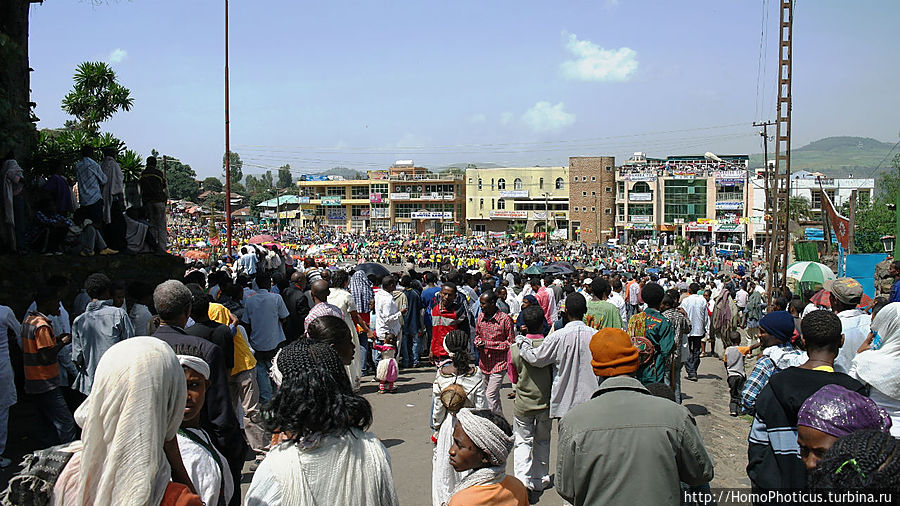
432, 215
316, 177
560, 233
727, 227
515, 215
538, 215
337, 214
380, 213
400, 196
303, 200
641, 176
733, 205
641, 219
375, 198
514, 194
730, 177
640, 197
309, 212
558, 214
641, 226
684, 174
697, 227
331, 200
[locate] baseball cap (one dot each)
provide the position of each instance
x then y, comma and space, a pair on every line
587, 281
846, 290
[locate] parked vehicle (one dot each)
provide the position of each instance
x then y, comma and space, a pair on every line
729, 250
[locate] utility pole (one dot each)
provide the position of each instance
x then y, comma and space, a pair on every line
782, 172
851, 238
227, 146
546, 217
768, 204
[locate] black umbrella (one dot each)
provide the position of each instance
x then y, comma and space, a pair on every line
373, 268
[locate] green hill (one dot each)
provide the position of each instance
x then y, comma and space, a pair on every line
838, 156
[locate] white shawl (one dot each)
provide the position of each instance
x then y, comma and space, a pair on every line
136, 404
881, 368
350, 470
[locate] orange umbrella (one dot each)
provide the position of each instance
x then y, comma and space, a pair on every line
823, 298
195, 254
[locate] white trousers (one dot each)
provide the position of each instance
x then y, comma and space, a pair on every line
531, 454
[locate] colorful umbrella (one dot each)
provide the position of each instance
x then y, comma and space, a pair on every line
259, 239
196, 254
810, 272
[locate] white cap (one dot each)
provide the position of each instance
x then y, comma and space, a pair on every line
587, 281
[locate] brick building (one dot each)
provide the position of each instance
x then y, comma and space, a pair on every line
592, 198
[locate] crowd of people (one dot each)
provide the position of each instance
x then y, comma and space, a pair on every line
160, 394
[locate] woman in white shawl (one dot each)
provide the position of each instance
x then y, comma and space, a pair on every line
327, 456
458, 385
129, 424
880, 368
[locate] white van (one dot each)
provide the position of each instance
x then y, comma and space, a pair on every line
729, 250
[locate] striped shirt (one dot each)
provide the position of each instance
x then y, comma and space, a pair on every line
37, 334
492, 338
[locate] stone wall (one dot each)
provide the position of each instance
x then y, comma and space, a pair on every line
20, 276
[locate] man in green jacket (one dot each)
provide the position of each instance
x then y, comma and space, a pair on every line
626, 446
659, 331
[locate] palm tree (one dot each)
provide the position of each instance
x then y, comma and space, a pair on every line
518, 229
96, 95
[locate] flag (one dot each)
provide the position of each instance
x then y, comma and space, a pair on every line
839, 224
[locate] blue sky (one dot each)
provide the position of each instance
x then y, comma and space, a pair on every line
361, 84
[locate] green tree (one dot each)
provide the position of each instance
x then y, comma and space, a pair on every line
799, 208
874, 219
181, 178
236, 166
216, 202
212, 184
284, 176
96, 95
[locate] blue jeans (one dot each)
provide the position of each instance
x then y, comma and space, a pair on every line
265, 383
53, 411
412, 347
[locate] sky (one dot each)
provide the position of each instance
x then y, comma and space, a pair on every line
517, 83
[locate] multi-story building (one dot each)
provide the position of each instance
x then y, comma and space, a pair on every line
592, 197
697, 197
408, 198
499, 198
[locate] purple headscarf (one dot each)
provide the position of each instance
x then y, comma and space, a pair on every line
837, 412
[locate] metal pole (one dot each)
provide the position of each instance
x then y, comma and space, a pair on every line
227, 146
547, 218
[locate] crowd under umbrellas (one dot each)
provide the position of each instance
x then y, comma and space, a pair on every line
261, 355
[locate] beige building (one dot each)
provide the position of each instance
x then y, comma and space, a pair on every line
408, 198
498, 198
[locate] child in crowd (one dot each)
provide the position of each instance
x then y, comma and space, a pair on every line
482, 441
387, 370
863, 461
734, 366
458, 384
207, 467
532, 410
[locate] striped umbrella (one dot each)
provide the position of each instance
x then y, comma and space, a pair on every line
812, 273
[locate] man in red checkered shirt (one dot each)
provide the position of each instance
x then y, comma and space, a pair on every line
493, 335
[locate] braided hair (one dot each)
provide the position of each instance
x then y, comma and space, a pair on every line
867, 459
315, 394
457, 343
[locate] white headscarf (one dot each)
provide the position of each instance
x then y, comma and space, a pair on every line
136, 404
881, 368
195, 363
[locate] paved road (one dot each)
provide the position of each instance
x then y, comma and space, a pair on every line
402, 424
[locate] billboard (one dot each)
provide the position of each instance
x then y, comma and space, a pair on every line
640, 197
375, 198
733, 205
646, 177
400, 196
641, 219
514, 194
380, 213
515, 215
331, 200
432, 215
316, 177
337, 214
303, 200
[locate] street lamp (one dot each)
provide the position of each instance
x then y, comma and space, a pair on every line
888, 242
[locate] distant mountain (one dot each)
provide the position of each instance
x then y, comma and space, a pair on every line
838, 156
343, 171
462, 166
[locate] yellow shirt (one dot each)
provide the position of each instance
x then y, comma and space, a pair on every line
243, 357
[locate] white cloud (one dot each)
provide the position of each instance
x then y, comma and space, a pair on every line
594, 63
478, 118
118, 55
506, 118
545, 117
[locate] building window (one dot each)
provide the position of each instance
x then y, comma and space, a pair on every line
541, 184
492, 184
583, 178
584, 194
621, 187
863, 196
593, 178
501, 184
685, 199
560, 183
593, 194
481, 204
492, 204
470, 180
359, 192
608, 211
816, 201
831, 195
593, 209
501, 204
608, 168
479, 184
517, 184
609, 189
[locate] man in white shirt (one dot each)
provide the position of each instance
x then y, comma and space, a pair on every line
695, 306
845, 294
740, 298
265, 311
569, 350
388, 318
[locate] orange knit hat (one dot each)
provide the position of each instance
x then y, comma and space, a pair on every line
613, 353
